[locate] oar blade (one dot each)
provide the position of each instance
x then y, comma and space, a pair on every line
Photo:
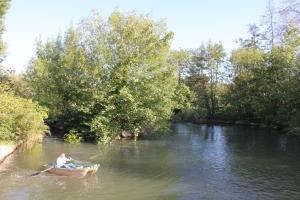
34, 174
37, 173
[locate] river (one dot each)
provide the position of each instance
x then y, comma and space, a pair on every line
192, 162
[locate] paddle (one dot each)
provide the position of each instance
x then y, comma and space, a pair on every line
78, 161
37, 173
95, 156
81, 163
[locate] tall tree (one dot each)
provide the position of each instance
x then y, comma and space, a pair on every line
254, 41
208, 60
269, 22
4, 5
21, 120
248, 68
107, 77
291, 11
182, 59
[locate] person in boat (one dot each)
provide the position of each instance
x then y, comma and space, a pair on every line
62, 162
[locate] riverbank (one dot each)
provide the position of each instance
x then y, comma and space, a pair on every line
238, 123
6, 150
284, 129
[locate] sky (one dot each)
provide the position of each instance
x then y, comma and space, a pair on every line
192, 21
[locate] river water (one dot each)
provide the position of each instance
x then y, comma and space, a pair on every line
192, 162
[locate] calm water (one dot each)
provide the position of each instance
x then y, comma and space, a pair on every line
194, 162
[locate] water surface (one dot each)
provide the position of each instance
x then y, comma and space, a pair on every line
192, 162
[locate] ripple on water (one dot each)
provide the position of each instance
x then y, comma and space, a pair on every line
195, 162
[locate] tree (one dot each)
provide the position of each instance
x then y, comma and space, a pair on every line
21, 120
248, 69
269, 21
182, 59
255, 38
208, 62
288, 58
4, 5
264, 84
103, 78
290, 11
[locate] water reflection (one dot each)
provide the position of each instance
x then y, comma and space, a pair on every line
193, 162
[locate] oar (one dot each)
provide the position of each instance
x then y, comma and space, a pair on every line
81, 163
78, 160
94, 156
37, 173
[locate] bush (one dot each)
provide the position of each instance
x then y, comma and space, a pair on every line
21, 119
72, 137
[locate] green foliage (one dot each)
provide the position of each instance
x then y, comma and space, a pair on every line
105, 77
264, 84
264, 88
204, 76
19, 85
4, 5
181, 59
244, 94
20, 119
72, 137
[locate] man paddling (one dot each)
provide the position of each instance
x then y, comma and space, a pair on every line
61, 162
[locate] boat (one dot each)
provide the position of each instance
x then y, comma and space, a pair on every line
77, 172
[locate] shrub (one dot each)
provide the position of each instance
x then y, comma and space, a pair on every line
21, 119
72, 137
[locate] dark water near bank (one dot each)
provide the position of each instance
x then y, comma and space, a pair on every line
194, 162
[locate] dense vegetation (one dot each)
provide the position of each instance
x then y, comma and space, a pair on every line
259, 82
4, 5
21, 120
106, 78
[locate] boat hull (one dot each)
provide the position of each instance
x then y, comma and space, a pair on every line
74, 172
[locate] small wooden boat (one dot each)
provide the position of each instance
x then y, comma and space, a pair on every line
78, 172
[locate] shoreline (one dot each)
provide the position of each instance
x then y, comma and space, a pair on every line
6, 150
235, 123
